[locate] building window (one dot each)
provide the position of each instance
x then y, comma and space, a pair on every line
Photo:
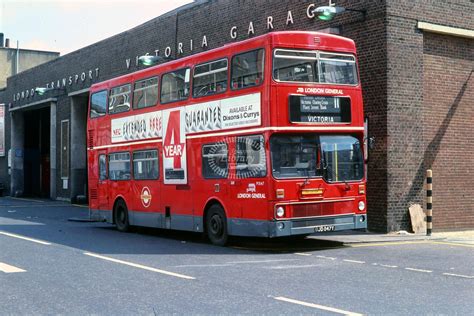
247, 69
98, 104
145, 165
250, 157
215, 161
119, 99
145, 93
65, 149
102, 167
119, 166
175, 86
210, 78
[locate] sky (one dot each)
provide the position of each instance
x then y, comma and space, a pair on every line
67, 25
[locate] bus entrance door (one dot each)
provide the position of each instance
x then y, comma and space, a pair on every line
102, 184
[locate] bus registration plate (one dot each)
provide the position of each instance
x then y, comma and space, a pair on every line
324, 228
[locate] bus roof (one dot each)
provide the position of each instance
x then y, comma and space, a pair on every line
287, 39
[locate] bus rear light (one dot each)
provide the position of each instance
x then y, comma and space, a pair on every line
280, 194
280, 212
361, 189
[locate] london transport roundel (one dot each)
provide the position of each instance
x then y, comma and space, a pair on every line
146, 197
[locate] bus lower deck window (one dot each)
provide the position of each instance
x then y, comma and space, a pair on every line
145, 165
119, 166
215, 161
250, 157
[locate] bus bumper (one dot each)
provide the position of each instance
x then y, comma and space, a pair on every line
317, 225
292, 227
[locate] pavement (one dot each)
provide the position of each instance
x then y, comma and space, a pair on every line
361, 236
343, 237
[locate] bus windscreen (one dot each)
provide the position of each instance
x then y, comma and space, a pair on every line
313, 66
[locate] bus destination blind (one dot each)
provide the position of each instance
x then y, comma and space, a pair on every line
320, 109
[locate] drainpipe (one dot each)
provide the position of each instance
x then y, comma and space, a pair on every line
17, 57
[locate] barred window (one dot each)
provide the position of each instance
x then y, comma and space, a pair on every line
250, 157
175, 85
145, 165
215, 161
119, 99
145, 93
210, 78
119, 166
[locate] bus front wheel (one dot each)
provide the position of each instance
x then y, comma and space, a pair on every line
216, 225
121, 216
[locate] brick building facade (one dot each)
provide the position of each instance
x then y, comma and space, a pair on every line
415, 60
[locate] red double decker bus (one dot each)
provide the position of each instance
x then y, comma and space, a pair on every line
258, 138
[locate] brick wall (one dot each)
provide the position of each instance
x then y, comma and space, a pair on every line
404, 125
370, 37
407, 139
448, 120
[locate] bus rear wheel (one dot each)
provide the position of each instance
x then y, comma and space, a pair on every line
121, 216
216, 225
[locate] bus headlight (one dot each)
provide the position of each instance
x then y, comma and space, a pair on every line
361, 205
280, 211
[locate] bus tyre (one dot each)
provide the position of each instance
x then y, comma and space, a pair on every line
121, 216
216, 225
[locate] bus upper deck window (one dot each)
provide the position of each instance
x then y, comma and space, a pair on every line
98, 104
314, 66
297, 66
145, 93
210, 78
175, 85
119, 99
247, 69
337, 69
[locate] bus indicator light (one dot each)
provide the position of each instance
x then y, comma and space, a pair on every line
280, 193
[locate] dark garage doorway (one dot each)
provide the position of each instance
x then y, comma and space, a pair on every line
37, 166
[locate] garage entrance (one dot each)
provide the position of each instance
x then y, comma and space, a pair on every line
37, 168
